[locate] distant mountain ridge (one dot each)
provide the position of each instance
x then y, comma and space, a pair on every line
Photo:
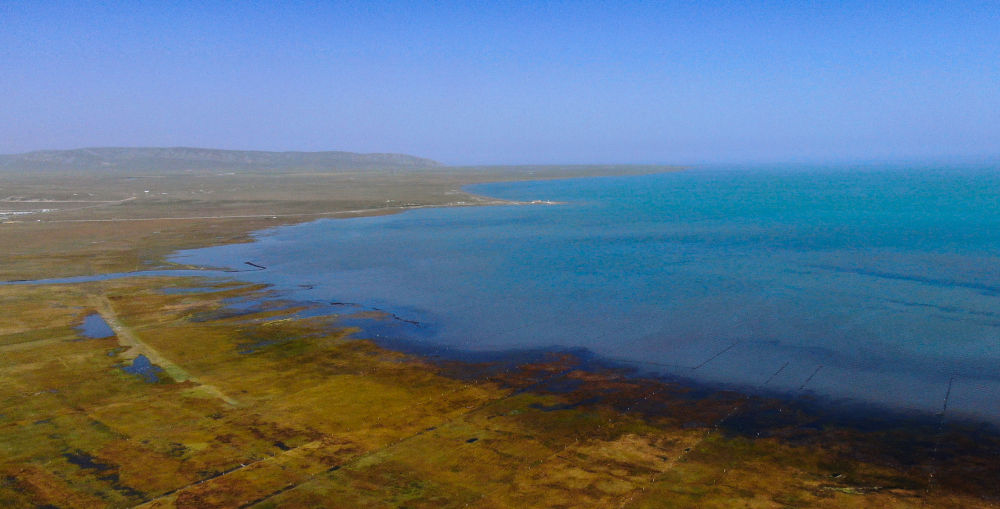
187, 158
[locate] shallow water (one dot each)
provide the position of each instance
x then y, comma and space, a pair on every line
95, 327
873, 285
142, 367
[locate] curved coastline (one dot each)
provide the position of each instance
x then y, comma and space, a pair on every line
842, 448
690, 367
642, 367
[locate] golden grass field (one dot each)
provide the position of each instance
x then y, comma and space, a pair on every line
257, 408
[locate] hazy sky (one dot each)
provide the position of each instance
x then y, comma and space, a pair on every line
508, 82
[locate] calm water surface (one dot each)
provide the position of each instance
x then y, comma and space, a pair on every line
875, 285
95, 327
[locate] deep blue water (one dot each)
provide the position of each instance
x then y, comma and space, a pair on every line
874, 285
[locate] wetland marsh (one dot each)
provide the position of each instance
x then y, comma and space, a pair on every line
220, 391
442, 257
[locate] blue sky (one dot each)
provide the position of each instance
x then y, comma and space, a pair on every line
508, 82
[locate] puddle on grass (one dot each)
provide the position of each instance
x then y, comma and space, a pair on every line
141, 366
94, 327
86, 461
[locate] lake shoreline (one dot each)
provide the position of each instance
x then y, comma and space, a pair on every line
841, 407
952, 451
676, 427
836, 410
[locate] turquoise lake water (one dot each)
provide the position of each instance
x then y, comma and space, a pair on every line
864, 285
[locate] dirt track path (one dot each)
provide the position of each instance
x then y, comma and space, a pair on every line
126, 337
